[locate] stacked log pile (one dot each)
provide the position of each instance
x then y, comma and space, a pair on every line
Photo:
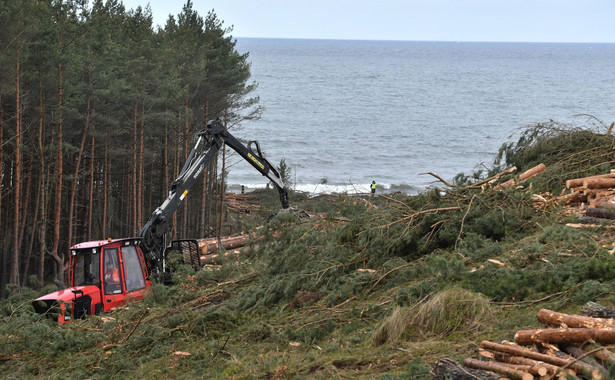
213, 249
244, 203
596, 194
569, 347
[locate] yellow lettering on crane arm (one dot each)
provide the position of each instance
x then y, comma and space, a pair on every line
256, 161
181, 197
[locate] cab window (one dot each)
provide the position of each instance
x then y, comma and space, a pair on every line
135, 279
113, 284
87, 268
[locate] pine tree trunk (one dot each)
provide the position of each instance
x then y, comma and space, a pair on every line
165, 161
203, 220
91, 192
14, 278
59, 181
42, 184
221, 209
140, 187
185, 208
133, 200
75, 179
22, 232
42, 234
175, 175
222, 181
212, 203
105, 183
2, 281
25, 203
128, 204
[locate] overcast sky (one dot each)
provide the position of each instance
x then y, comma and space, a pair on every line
413, 20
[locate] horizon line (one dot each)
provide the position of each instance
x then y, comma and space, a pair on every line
401, 40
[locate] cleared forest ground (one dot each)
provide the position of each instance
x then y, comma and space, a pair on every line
375, 287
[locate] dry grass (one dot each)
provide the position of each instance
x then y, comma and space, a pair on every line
442, 314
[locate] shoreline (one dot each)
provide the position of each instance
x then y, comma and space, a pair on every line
313, 189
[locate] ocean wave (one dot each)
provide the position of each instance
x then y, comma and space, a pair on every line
325, 188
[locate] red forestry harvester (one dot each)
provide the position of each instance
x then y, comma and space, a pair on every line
108, 273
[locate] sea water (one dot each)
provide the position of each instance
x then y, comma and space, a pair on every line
345, 113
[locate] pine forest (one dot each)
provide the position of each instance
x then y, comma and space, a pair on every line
97, 112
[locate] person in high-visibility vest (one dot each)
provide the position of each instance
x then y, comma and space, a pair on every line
112, 277
373, 187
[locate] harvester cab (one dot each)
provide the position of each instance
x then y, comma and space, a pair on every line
101, 275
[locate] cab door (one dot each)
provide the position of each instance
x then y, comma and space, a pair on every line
113, 278
134, 272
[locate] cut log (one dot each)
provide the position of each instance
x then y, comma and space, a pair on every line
210, 245
606, 202
605, 356
599, 183
565, 335
589, 226
574, 197
448, 369
592, 220
517, 350
485, 355
578, 182
536, 367
549, 317
602, 213
500, 368
603, 198
592, 309
532, 172
584, 369
579, 354
523, 176
216, 258
244, 203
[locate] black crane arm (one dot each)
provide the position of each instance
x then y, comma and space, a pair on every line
154, 232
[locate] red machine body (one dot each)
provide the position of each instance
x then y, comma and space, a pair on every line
102, 275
